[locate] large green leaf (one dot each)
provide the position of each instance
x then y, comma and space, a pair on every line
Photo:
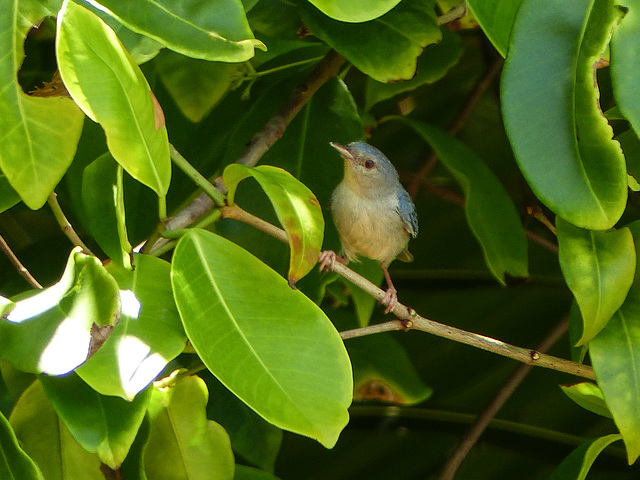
349, 11
51, 331
503, 243
147, 336
578, 463
495, 18
599, 269
100, 424
625, 71
183, 443
561, 140
107, 84
8, 196
386, 48
270, 345
297, 208
103, 202
14, 462
208, 29
39, 135
46, 439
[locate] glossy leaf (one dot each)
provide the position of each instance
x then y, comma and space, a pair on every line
103, 202
46, 439
100, 424
496, 19
561, 140
183, 443
347, 11
433, 64
271, 346
212, 30
578, 463
297, 208
625, 71
382, 371
503, 242
14, 462
8, 196
599, 268
39, 135
386, 48
197, 85
615, 355
588, 396
50, 332
148, 335
107, 84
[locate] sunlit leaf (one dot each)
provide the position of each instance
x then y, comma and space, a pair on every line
589, 396
295, 370
348, 11
561, 140
599, 269
107, 84
183, 443
297, 208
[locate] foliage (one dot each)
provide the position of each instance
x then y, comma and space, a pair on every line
181, 341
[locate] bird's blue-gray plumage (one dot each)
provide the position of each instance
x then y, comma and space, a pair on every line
373, 213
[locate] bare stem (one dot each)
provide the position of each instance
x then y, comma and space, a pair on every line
213, 193
65, 225
22, 270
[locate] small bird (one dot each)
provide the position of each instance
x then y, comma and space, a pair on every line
373, 213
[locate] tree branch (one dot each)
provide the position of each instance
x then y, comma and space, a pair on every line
22, 270
67, 228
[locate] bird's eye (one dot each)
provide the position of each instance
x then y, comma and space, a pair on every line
369, 164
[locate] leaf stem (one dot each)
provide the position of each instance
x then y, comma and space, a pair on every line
22, 270
212, 192
284, 67
62, 220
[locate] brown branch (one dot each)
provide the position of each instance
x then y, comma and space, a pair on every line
22, 270
486, 416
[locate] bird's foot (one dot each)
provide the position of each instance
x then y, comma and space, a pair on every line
327, 260
390, 299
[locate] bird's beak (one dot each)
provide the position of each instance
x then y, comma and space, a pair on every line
342, 150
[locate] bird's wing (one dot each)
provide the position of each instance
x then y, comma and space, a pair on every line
407, 211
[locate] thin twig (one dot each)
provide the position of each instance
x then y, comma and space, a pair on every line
238, 213
486, 416
62, 220
22, 270
455, 13
216, 195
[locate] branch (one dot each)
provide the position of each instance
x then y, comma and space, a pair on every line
67, 228
22, 270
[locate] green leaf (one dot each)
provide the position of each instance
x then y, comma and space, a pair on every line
503, 242
249, 473
588, 396
295, 371
50, 332
214, 30
107, 84
46, 439
495, 18
433, 64
100, 424
103, 202
348, 11
8, 196
197, 85
147, 337
599, 268
625, 71
6, 306
39, 135
14, 462
133, 466
297, 208
382, 371
578, 463
561, 140
183, 444
386, 48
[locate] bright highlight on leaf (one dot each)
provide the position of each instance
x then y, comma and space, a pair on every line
267, 343
561, 140
297, 209
109, 87
350, 11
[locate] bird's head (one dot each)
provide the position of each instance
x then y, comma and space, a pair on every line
366, 167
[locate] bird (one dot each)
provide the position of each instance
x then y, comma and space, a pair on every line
372, 212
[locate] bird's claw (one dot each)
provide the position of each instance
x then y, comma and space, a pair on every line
390, 299
327, 260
